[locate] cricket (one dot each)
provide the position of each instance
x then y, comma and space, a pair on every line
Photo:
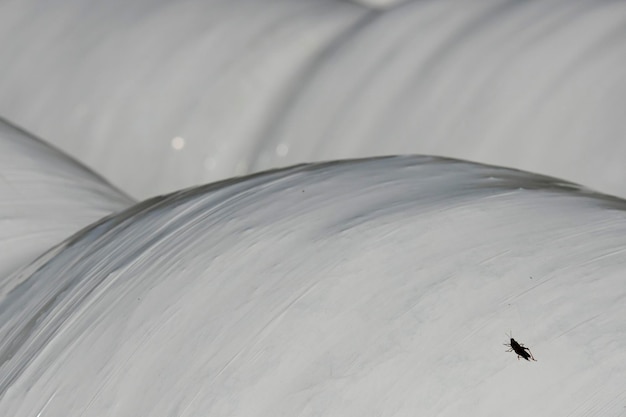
522, 352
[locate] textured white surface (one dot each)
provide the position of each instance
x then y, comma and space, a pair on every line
377, 287
364, 288
255, 84
112, 82
44, 198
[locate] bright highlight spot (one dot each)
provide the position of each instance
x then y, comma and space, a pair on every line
178, 143
282, 149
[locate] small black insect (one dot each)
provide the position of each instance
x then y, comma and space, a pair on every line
522, 352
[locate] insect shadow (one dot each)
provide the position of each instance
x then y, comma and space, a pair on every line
522, 352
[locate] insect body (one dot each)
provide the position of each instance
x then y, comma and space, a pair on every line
522, 352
